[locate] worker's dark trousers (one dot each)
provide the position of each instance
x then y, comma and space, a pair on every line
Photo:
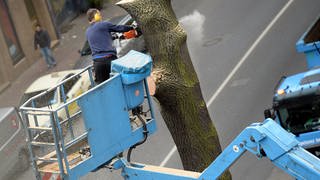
102, 68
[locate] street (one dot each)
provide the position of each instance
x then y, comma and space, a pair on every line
239, 61
239, 49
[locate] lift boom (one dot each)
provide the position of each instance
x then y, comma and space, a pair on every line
265, 139
113, 123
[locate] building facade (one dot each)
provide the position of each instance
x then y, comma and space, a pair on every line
17, 20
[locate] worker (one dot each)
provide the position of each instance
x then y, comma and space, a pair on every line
100, 41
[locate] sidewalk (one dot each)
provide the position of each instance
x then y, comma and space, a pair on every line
66, 54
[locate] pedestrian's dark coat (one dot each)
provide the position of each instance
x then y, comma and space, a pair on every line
42, 38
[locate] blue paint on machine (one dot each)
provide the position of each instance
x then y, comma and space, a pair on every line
296, 101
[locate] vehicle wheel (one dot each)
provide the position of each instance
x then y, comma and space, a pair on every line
24, 160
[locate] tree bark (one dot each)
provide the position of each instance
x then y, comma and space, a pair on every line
178, 88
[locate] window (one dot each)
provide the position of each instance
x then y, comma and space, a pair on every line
67, 86
41, 101
57, 6
301, 116
310, 79
31, 11
10, 34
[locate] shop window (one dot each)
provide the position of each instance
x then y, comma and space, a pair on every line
57, 6
31, 12
10, 34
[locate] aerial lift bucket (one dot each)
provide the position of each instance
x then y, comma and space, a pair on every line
111, 116
107, 109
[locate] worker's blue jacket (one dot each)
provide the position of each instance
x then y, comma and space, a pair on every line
100, 39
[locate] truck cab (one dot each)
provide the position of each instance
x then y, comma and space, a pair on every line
296, 100
296, 107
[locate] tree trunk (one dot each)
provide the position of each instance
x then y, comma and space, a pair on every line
178, 88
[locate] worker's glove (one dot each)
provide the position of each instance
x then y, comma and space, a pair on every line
139, 32
134, 25
114, 36
121, 37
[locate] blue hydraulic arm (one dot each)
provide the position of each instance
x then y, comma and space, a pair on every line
113, 124
265, 139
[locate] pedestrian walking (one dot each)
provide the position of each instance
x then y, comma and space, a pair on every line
100, 41
42, 40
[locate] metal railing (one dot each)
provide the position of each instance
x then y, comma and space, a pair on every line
58, 135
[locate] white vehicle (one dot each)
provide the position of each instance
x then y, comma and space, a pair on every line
73, 87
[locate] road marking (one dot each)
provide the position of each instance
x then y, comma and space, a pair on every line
168, 157
246, 55
11, 138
